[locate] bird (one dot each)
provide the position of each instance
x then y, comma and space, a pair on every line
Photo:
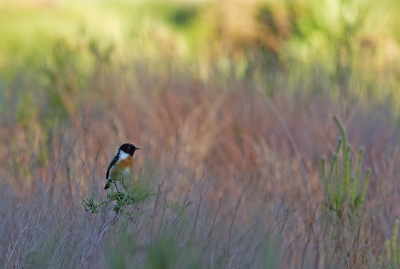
121, 166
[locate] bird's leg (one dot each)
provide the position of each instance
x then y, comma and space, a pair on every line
115, 184
123, 185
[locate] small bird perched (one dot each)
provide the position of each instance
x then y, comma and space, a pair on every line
121, 166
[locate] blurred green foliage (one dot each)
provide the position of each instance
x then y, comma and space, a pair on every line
340, 47
124, 202
392, 249
55, 57
345, 193
343, 187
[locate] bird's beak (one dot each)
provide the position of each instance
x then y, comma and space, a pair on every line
137, 148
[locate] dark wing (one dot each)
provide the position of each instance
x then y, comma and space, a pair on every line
112, 163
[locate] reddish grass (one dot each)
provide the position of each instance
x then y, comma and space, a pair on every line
240, 173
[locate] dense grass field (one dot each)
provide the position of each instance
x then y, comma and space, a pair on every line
269, 134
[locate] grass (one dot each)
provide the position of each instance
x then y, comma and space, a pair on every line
232, 134
342, 185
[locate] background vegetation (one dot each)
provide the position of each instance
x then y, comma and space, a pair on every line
232, 103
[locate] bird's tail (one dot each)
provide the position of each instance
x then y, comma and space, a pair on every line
108, 184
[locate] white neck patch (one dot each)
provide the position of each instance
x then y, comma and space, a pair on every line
123, 155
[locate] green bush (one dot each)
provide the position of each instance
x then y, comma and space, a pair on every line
125, 203
343, 186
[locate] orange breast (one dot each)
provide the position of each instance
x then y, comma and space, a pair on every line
125, 163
